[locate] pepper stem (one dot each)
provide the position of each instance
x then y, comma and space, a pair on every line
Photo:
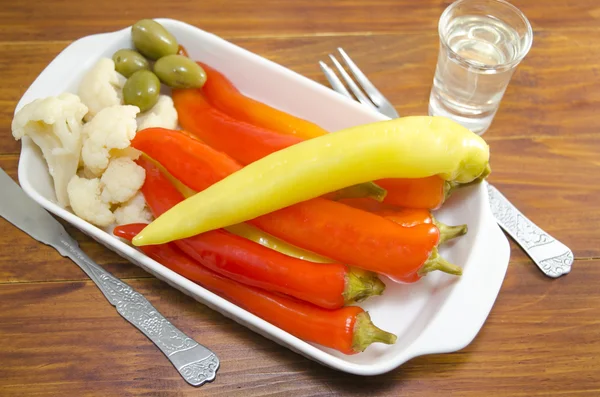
449, 232
486, 172
436, 262
365, 333
449, 188
360, 285
362, 190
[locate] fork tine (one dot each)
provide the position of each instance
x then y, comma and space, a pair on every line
373, 93
334, 81
353, 87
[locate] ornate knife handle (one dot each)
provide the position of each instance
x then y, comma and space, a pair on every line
195, 363
550, 255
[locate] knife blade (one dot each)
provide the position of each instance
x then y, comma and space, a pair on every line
20, 210
194, 362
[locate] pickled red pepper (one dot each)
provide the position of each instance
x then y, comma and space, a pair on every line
368, 241
407, 217
242, 141
348, 330
330, 285
427, 193
328, 228
409, 147
227, 98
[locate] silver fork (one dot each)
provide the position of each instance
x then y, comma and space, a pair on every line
375, 99
552, 257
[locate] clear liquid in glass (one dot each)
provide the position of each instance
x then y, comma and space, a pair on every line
473, 73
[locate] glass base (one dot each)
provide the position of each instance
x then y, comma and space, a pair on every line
479, 124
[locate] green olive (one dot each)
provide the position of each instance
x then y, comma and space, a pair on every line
178, 71
127, 62
152, 39
141, 90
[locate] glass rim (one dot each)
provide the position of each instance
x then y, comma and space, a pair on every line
508, 65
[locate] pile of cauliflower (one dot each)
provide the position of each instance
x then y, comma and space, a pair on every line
85, 140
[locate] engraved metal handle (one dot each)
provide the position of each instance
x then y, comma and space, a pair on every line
196, 363
550, 255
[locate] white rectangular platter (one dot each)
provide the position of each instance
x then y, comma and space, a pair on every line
438, 314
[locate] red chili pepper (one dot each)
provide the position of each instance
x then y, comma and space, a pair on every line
227, 98
407, 217
185, 153
348, 330
247, 143
331, 229
242, 141
352, 236
330, 285
428, 193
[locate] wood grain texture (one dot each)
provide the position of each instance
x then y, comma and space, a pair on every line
61, 337
37, 262
542, 335
556, 188
67, 20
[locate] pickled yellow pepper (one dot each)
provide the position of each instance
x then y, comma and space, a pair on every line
408, 147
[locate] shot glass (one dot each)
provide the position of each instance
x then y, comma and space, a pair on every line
481, 44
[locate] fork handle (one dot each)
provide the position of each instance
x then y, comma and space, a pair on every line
550, 255
194, 362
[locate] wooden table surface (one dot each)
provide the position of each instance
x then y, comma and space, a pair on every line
60, 336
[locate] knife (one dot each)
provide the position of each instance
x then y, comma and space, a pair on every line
550, 255
194, 362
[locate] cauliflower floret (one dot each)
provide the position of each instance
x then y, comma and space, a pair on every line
163, 115
86, 202
133, 211
85, 173
112, 128
130, 152
121, 180
101, 87
54, 124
